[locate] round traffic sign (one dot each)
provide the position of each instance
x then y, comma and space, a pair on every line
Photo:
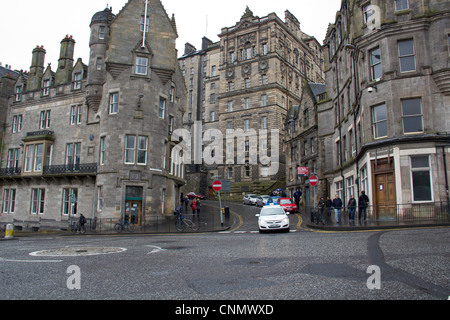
313, 181
217, 185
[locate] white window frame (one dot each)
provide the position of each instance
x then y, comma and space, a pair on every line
113, 103
141, 67
37, 206
9, 200
421, 169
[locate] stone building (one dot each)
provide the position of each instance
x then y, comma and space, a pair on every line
384, 126
95, 139
302, 147
249, 80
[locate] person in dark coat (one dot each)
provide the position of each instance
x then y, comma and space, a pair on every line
351, 205
337, 205
363, 202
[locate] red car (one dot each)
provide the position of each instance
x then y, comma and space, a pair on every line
288, 205
193, 195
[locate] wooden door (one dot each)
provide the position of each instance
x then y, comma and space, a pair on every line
385, 196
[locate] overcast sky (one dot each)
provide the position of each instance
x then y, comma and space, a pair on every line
27, 23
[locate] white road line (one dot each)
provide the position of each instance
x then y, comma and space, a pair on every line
30, 261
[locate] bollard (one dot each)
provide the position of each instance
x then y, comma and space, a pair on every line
9, 231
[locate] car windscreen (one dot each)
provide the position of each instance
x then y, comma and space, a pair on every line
285, 201
272, 212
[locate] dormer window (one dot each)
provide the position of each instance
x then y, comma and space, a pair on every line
18, 93
46, 87
77, 81
141, 67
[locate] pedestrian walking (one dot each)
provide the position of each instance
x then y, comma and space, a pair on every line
337, 205
363, 202
321, 205
351, 205
81, 223
198, 205
194, 206
328, 205
186, 202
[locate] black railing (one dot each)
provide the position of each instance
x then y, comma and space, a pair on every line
8, 172
70, 169
395, 213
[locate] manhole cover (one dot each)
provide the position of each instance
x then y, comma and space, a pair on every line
76, 251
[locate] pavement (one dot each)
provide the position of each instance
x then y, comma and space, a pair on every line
210, 221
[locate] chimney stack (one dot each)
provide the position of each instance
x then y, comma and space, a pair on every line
36, 69
65, 62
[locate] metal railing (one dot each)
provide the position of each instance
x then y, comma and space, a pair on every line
395, 213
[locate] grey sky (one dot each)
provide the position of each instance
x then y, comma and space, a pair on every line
28, 23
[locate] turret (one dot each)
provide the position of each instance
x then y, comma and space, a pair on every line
65, 62
98, 45
36, 69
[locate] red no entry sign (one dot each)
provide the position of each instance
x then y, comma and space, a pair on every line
313, 181
217, 185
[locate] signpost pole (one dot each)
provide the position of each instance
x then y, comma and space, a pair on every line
221, 213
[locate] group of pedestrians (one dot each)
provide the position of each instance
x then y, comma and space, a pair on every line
337, 205
195, 205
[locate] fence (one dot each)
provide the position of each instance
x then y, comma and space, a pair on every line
395, 213
207, 221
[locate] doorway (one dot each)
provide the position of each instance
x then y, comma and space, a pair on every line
133, 204
133, 211
385, 196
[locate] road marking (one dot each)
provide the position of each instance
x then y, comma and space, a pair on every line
31, 261
155, 249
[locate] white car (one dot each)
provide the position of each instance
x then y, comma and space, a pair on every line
249, 199
273, 217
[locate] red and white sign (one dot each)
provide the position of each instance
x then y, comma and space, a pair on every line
313, 181
302, 171
217, 185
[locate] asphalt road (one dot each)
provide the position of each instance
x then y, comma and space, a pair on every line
240, 265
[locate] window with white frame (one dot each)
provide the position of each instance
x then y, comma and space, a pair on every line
375, 64
364, 179
102, 32
162, 108
44, 119
73, 151
144, 22
113, 103
102, 151
407, 55
77, 81
18, 90
349, 182
136, 149
17, 123
12, 161
69, 201
339, 188
379, 121
9, 200
37, 201
76, 114
99, 198
141, 67
421, 178
46, 87
367, 12
412, 115
33, 157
